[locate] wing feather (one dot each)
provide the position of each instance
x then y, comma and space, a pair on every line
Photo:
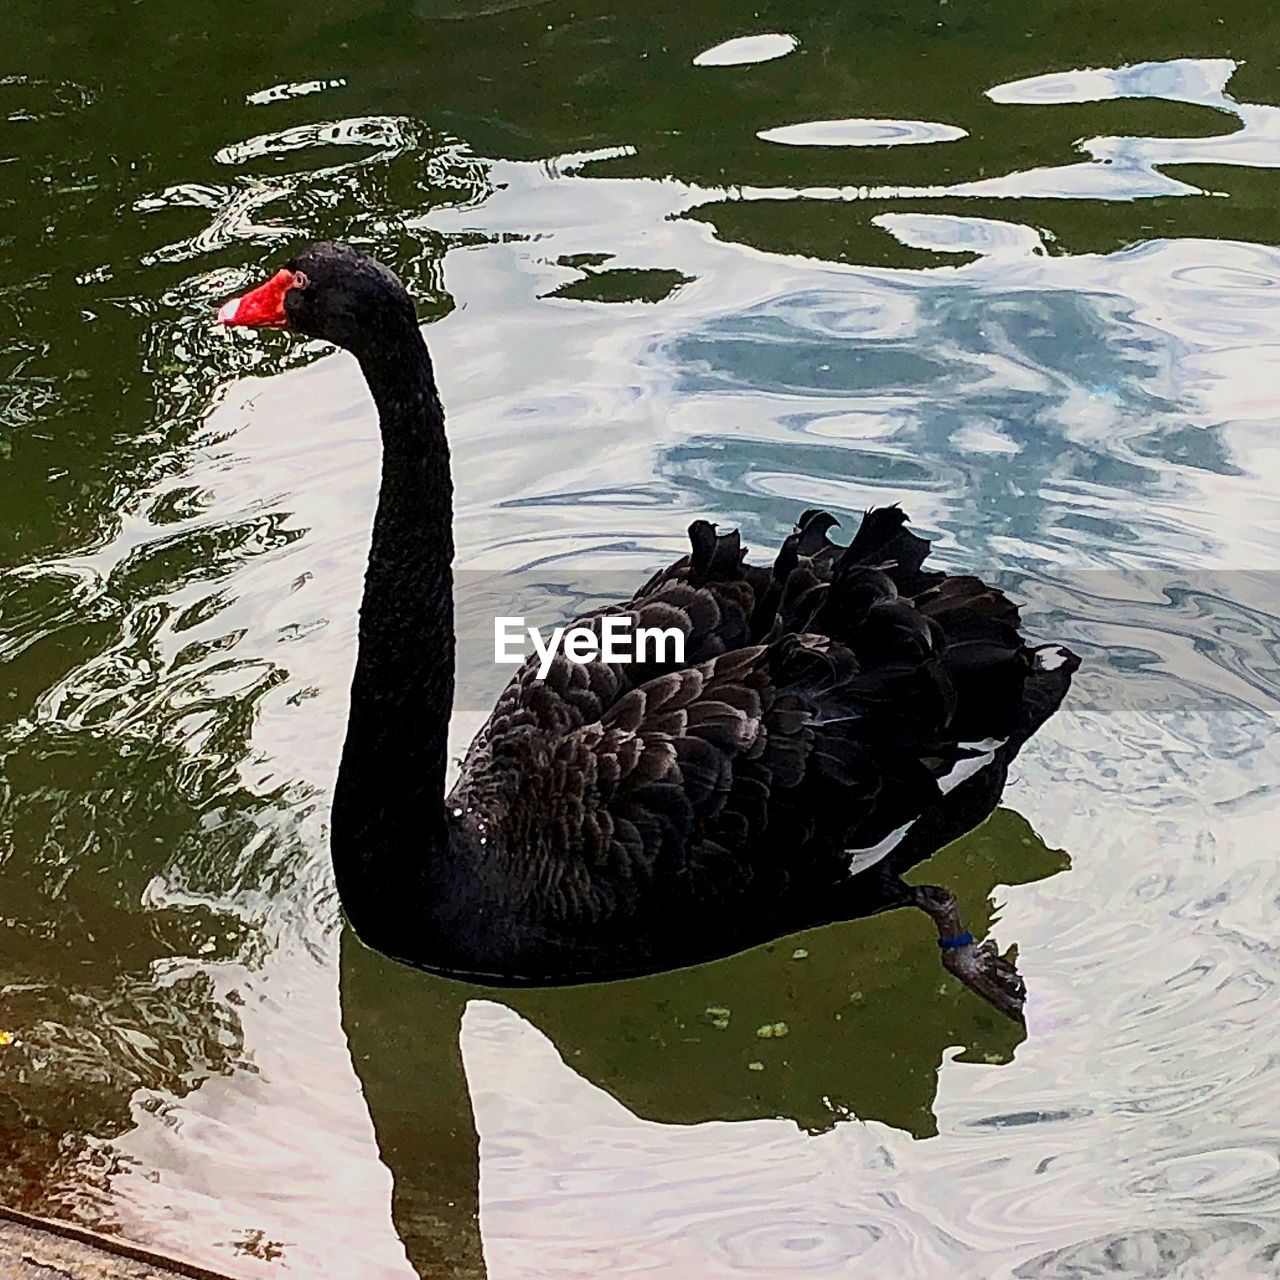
819, 701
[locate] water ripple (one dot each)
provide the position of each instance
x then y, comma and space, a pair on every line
1096, 429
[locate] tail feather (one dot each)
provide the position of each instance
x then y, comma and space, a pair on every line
884, 541
914, 658
1053, 665
714, 556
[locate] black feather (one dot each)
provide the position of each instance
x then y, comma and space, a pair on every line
640, 817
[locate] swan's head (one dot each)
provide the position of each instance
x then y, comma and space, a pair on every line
329, 291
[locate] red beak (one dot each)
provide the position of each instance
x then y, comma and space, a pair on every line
263, 307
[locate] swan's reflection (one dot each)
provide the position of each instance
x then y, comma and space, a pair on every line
848, 1021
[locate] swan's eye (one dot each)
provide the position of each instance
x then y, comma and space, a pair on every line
300, 280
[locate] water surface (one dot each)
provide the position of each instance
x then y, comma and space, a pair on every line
1017, 270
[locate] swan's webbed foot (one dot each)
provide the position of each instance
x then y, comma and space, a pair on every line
978, 965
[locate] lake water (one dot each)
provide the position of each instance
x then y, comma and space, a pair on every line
1012, 265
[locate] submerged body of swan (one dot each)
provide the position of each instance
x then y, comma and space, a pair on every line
833, 718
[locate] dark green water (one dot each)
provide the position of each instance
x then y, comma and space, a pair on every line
1046, 318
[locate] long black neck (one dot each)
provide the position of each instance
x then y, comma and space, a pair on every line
388, 812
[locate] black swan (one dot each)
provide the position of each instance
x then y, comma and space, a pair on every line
838, 717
